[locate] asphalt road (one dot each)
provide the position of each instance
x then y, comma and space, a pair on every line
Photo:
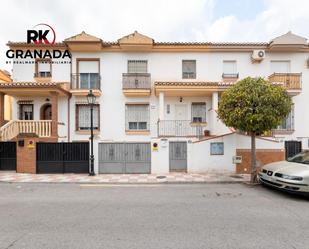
151, 216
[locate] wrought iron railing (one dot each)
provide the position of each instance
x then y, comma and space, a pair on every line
86, 81
136, 81
180, 128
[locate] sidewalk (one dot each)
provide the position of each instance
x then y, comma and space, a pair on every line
9, 176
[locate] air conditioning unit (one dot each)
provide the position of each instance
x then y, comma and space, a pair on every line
258, 55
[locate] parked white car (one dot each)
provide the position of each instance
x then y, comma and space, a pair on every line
291, 175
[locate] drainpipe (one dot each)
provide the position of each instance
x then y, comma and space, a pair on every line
69, 135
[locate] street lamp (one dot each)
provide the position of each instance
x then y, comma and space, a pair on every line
91, 101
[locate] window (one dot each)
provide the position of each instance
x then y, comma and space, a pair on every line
137, 117
89, 81
43, 68
198, 112
230, 69
288, 122
280, 66
137, 66
89, 77
217, 148
83, 117
26, 111
188, 69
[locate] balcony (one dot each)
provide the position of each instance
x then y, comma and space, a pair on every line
181, 128
42, 128
81, 83
136, 84
290, 81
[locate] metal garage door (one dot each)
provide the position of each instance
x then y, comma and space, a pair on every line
178, 156
7, 155
124, 158
63, 157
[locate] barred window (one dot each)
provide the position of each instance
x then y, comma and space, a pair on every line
188, 69
137, 117
83, 117
198, 112
137, 66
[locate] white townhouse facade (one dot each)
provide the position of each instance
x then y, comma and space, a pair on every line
156, 104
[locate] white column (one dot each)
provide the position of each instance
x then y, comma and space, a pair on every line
161, 105
215, 101
214, 107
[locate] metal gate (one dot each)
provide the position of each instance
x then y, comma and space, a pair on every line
7, 155
178, 156
292, 148
124, 158
63, 157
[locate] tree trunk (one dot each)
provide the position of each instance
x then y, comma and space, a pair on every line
253, 158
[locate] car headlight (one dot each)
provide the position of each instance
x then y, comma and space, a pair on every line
288, 177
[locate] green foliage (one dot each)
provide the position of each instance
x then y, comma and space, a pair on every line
254, 105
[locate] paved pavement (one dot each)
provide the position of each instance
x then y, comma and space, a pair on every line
150, 216
211, 177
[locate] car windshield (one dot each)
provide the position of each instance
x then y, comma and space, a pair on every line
302, 157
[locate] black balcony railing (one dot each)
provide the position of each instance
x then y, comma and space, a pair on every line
136, 81
86, 81
180, 128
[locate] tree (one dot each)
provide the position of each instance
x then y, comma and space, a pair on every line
254, 106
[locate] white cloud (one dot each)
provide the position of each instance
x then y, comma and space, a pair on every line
164, 20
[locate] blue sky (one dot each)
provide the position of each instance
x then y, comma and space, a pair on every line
163, 20
243, 9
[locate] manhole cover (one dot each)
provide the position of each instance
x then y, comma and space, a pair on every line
161, 177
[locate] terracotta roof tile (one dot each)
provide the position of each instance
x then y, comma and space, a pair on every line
31, 84
184, 83
56, 44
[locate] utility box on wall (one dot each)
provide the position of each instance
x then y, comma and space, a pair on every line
237, 159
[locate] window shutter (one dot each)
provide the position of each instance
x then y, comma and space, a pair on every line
88, 67
137, 113
137, 66
280, 66
229, 67
44, 66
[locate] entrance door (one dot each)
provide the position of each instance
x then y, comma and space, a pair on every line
7, 155
180, 117
178, 156
46, 112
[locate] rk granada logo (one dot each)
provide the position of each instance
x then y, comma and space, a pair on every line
41, 33
43, 36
